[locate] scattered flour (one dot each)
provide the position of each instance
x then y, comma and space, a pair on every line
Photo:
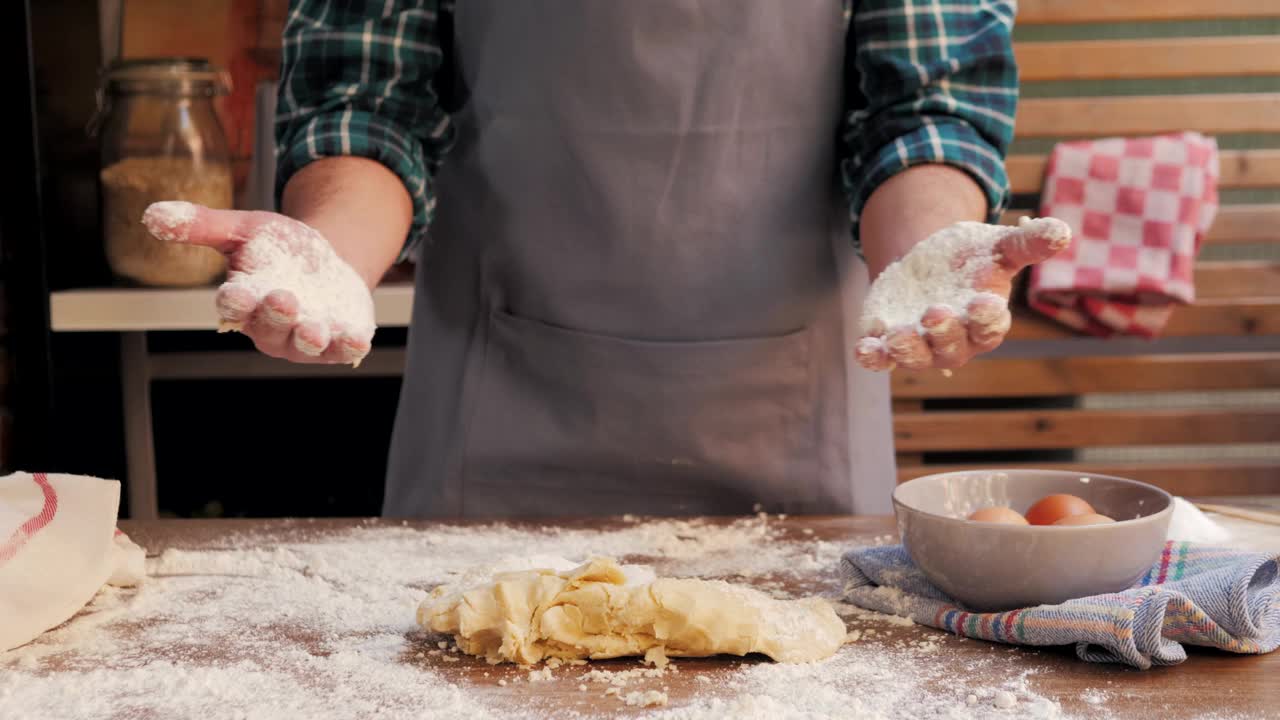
850, 612
621, 678
324, 628
867, 683
291, 256
1094, 697
646, 698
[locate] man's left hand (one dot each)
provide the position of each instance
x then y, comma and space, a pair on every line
948, 337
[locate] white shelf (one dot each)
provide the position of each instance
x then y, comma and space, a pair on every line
146, 309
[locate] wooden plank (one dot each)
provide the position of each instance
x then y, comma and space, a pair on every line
1245, 224
251, 364
1239, 169
139, 439
906, 406
1059, 12
1140, 115
1258, 168
1258, 223
1049, 429
140, 309
1149, 58
1235, 279
1269, 518
1186, 479
1209, 317
1077, 375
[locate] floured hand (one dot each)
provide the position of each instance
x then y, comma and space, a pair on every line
286, 288
948, 299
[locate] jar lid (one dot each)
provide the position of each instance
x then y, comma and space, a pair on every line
179, 76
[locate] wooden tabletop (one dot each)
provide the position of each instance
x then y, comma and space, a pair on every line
1208, 682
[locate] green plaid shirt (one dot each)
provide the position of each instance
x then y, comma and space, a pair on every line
927, 82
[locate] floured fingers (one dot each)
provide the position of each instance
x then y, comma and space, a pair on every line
1032, 242
347, 347
871, 352
989, 321
947, 336
236, 304
908, 348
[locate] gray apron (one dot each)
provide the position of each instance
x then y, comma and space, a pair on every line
637, 294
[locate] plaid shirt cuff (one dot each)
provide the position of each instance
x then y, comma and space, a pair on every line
356, 133
941, 141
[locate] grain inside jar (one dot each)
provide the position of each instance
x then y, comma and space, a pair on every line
132, 184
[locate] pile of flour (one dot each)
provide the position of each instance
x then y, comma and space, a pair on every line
325, 629
291, 256
942, 270
284, 254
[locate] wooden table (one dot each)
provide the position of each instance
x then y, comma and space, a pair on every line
1208, 682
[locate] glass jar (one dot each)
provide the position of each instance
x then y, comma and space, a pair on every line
160, 139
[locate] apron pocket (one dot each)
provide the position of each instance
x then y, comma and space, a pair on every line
568, 422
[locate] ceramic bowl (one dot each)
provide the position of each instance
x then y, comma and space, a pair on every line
988, 567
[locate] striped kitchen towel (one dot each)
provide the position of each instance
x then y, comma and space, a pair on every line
1195, 594
59, 546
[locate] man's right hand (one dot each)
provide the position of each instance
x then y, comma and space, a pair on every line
286, 288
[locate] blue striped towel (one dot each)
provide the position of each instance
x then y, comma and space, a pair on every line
1196, 594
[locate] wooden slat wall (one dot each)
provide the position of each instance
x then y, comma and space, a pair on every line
1238, 279
1188, 479
1234, 223
1146, 115
1239, 168
1043, 429
1077, 375
1059, 12
1161, 58
1245, 224
1209, 317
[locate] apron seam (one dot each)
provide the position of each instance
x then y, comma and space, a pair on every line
475, 375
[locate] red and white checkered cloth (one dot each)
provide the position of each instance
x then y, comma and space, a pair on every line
1138, 210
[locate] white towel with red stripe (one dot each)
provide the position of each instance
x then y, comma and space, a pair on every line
1138, 210
58, 547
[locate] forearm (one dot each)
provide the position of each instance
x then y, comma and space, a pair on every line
359, 205
911, 206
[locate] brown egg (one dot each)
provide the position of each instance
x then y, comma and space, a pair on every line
1052, 508
1000, 515
1087, 519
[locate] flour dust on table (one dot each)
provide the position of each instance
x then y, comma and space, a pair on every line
322, 625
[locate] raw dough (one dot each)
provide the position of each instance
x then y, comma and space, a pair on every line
590, 612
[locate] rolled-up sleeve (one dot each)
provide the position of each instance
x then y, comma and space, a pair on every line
929, 82
356, 80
